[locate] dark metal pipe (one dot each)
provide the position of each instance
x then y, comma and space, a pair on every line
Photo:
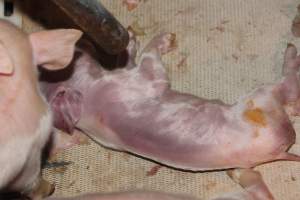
97, 23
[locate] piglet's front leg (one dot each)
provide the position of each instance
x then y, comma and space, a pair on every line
61, 141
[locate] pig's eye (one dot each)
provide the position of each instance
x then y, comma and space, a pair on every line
8, 8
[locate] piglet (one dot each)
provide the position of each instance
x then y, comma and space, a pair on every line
26, 118
134, 109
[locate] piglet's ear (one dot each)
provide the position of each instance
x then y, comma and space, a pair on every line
54, 49
6, 63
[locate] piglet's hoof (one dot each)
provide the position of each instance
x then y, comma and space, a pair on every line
43, 189
164, 43
168, 42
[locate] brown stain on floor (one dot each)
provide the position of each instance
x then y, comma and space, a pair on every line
153, 171
210, 185
182, 64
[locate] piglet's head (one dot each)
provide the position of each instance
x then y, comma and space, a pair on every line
51, 49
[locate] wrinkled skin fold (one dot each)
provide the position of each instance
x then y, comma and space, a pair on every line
135, 110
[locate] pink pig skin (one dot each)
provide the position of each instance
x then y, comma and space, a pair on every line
26, 120
135, 110
148, 196
126, 196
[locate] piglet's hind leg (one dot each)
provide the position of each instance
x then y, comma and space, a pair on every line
290, 85
252, 182
288, 157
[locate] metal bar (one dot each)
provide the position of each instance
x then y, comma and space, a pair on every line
97, 23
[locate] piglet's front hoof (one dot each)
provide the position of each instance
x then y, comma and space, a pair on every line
164, 43
41, 190
168, 42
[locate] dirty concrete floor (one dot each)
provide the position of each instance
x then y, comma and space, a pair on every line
225, 49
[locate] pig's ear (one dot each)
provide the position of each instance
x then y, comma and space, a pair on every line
67, 106
54, 49
6, 63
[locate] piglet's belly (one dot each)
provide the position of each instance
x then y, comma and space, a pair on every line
198, 136
173, 151
200, 144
